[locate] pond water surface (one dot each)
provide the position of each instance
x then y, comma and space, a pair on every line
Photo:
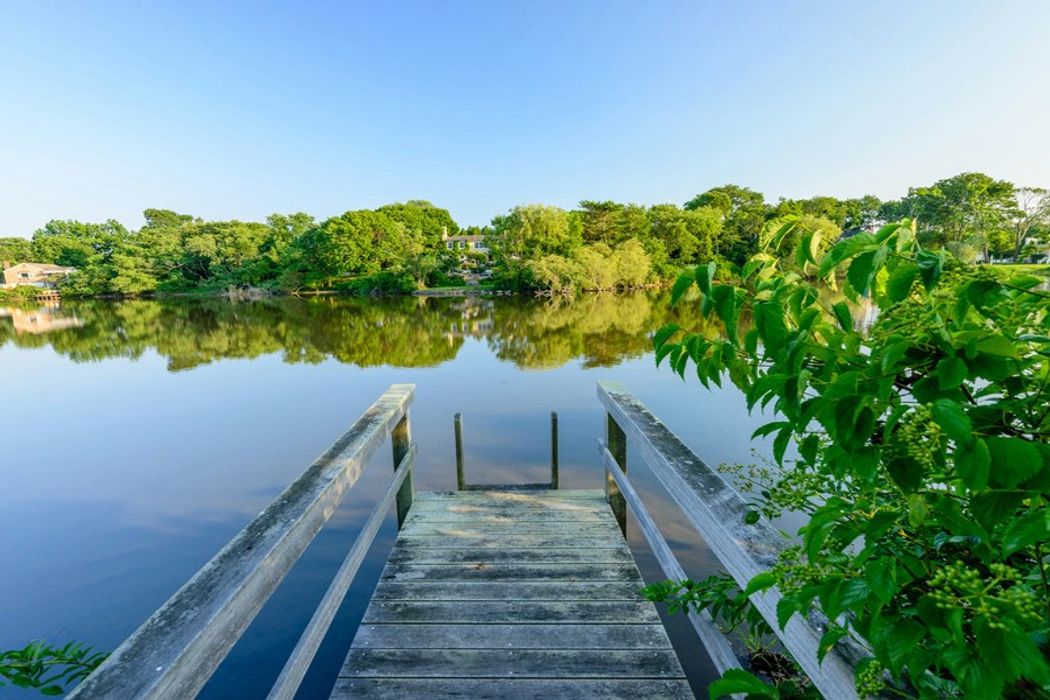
140, 436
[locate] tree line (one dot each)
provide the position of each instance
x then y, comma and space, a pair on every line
598, 245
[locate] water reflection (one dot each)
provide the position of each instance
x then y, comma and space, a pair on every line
43, 319
601, 330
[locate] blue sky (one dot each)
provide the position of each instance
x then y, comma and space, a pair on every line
236, 110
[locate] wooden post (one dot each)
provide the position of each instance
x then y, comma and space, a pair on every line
401, 439
617, 444
554, 449
461, 478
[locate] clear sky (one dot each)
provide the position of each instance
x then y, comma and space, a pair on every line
237, 109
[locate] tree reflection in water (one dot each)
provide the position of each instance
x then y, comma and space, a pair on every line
599, 329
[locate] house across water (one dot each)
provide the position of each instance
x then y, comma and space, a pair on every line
42, 275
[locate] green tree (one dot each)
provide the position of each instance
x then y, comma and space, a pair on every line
965, 209
15, 250
743, 215
73, 243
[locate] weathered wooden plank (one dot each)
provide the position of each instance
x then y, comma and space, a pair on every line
510, 689
549, 494
510, 572
508, 590
177, 649
508, 541
534, 527
518, 663
494, 636
717, 512
510, 516
496, 507
567, 518
425, 555
511, 611
715, 643
536, 487
301, 657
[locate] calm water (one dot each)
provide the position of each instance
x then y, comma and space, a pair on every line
140, 436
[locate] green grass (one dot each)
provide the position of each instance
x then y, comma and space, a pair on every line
1041, 269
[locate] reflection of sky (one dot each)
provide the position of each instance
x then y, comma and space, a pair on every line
122, 478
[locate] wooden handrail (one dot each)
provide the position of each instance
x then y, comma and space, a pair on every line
302, 656
175, 652
716, 644
716, 511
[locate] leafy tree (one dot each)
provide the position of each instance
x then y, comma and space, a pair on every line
422, 216
967, 208
73, 243
687, 235
1030, 218
15, 250
743, 215
923, 460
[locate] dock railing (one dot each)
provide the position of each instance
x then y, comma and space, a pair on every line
716, 512
176, 651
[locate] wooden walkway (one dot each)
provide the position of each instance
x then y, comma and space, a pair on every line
511, 594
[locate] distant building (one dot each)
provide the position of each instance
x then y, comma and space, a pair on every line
474, 244
35, 274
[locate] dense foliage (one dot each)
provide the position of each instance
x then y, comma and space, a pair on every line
922, 457
599, 245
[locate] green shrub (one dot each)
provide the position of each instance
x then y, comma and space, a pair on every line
923, 462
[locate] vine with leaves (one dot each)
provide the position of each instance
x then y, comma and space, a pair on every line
922, 457
48, 668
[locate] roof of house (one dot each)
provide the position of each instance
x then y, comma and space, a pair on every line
41, 267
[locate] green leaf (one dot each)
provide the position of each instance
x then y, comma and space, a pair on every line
951, 372
997, 345
993, 507
930, 267
769, 320
763, 430
682, 285
1013, 460
861, 271
953, 421
664, 333
906, 472
843, 316
1010, 651
705, 275
900, 281
828, 641
1026, 531
780, 444
973, 462
786, 608
737, 680
760, 582
880, 574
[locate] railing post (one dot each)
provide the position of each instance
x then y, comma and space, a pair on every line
554, 449
401, 440
616, 440
461, 477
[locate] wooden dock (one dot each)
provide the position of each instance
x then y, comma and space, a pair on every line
489, 592
511, 594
